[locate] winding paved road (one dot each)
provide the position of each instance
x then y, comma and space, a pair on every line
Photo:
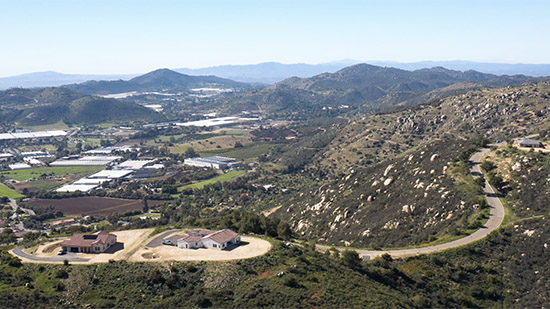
13, 204
496, 217
71, 257
157, 241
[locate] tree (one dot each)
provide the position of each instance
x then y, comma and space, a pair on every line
145, 205
283, 230
105, 142
351, 259
495, 180
488, 166
7, 237
190, 153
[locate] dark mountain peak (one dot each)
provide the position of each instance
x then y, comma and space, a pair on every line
361, 68
438, 69
160, 74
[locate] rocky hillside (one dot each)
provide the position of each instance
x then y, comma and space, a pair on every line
494, 113
400, 178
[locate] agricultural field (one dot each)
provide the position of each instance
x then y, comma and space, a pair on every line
48, 147
26, 174
212, 143
7, 192
221, 178
91, 205
47, 185
242, 153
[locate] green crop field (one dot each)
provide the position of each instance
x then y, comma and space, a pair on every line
232, 131
242, 153
46, 185
212, 143
221, 178
26, 174
7, 192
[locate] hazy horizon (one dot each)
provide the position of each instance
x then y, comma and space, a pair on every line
373, 62
129, 37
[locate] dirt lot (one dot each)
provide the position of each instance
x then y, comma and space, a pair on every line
91, 205
250, 247
130, 246
546, 148
127, 241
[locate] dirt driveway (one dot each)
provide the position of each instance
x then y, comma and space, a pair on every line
128, 242
250, 247
132, 246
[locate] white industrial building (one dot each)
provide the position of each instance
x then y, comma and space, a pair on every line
109, 150
36, 154
133, 164
86, 161
215, 122
19, 166
110, 174
6, 156
216, 162
93, 181
74, 188
38, 134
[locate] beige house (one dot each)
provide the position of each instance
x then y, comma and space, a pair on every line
530, 143
89, 243
209, 239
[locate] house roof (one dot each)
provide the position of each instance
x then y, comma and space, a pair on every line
528, 141
201, 232
191, 238
58, 222
86, 240
222, 236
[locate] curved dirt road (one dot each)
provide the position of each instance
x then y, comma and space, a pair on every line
496, 217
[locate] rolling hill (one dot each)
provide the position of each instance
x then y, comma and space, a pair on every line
359, 86
49, 105
158, 80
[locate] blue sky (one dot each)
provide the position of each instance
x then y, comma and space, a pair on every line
119, 36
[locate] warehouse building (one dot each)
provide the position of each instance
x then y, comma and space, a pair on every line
216, 162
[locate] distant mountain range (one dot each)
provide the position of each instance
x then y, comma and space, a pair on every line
268, 72
369, 87
272, 72
485, 67
53, 79
365, 87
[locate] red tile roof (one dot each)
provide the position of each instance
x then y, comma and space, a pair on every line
222, 236
63, 221
200, 232
86, 240
191, 238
